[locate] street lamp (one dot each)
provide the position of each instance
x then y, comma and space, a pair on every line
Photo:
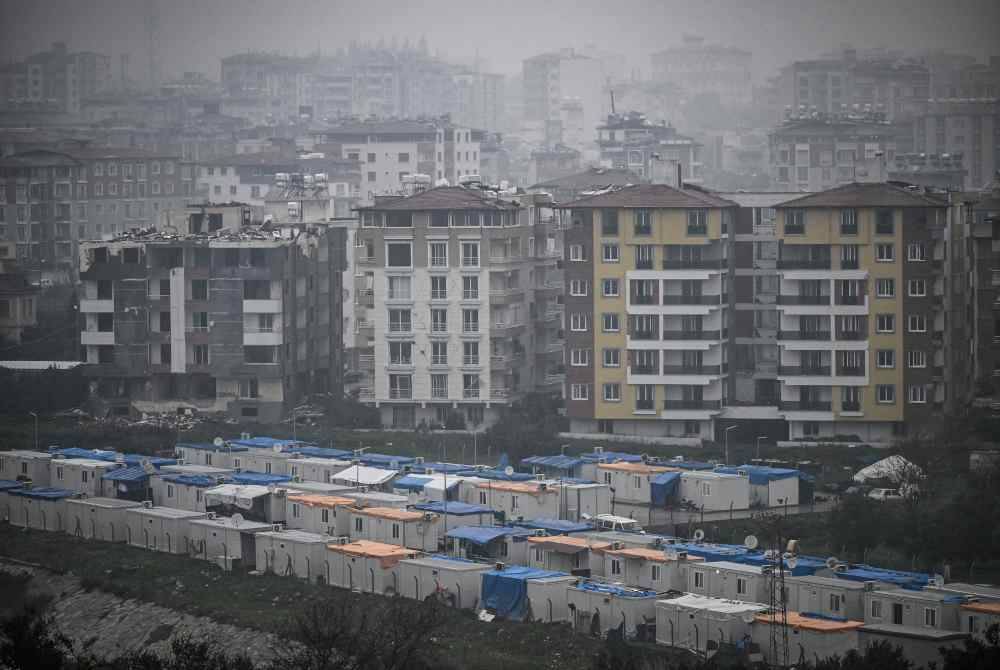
726, 432
759, 438
36, 428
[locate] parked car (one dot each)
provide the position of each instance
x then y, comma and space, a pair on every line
885, 494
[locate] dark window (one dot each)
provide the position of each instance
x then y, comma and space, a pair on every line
258, 354
609, 222
105, 354
258, 258
105, 322
202, 258
256, 289
231, 257
884, 222
214, 222
165, 354
248, 411
399, 255
105, 290
164, 322
130, 255
199, 289
164, 287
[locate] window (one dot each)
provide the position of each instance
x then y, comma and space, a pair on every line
398, 255
199, 322
404, 158
612, 393
439, 288
884, 222
644, 397
439, 353
199, 289
654, 573
916, 288
849, 257
643, 222
699, 579
400, 386
885, 323
470, 386
470, 320
439, 386
697, 222
359, 524
918, 394
400, 353
470, 353
848, 222
609, 288
916, 359
470, 288
399, 321
612, 358
706, 489
741, 586
885, 288
644, 257
886, 358
580, 391
577, 252
610, 253
578, 287
610, 323
609, 223
916, 252
795, 222
470, 254
916, 323
201, 354
579, 322
580, 357
248, 388
399, 288
886, 393
439, 254
170, 490
836, 601
439, 321
876, 609
930, 617
885, 253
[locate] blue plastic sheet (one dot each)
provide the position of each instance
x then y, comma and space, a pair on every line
506, 591
662, 487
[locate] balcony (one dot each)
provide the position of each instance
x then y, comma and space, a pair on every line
670, 405
470, 394
804, 371
499, 394
97, 337
803, 299
366, 260
691, 370
647, 335
852, 406
644, 300
805, 406
807, 335
852, 335
845, 371
694, 335
715, 299
856, 300
693, 264
97, 306
803, 264
400, 394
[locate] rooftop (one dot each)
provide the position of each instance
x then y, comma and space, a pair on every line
441, 197
568, 544
319, 500
106, 503
391, 513
167, 512
389, 554
517, 487
799, 621
915, 632
644, 554
293, 535
591, 179
866, 195
636, 468
651, 196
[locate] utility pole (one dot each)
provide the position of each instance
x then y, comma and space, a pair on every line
726, 432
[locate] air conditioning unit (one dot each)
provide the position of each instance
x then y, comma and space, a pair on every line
211, 516
419, 460
616, 546
277, 527
181, 461
540, 476
148, 504
543, 486
220, 480
598, 450
244, 436
657, 542
343, 539
499, 566
539, 532
682, 555
428, 516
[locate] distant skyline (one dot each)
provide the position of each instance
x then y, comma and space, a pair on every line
195, 34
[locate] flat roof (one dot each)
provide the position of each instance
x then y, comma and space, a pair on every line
195, 470
916, 632
797, 620
568, 544
734, 567
636, 468
832, 582
106, 503
319, 500
910, 594
38, 366
391, 513
167, 512
448, 564
25, 453
227, 523
295, 535
644, 554
85, 462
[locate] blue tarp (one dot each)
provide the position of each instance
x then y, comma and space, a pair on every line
387, 461
207, 446
110, 456
45, 492
203, 481
662, 487
867, 573
268, 443
480, 534
555, 526
804, 565
322, 452
126, 475
558, 462
411, 482
614, 590
610, 457
74, 452
8, 484
506, 591
259, 478
453, 507
499, 475
450, 468
712, 552
760, 475
690, 465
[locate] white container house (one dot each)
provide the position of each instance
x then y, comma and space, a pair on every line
99, 518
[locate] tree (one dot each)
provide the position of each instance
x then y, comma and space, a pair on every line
878, 656
975, 654
528, 427
30, 641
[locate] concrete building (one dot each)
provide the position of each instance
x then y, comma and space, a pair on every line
969, 127
457, 304
18, 298
54, 81
698, 68
552, 79
97, 518
26, 465
241, 322
653, 151
647, 309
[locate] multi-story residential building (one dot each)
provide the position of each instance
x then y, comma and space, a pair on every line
551, 79
940, 171
458, 304
55, 199
697, 68
812, 154
54, 80
218, 315
571, 187
17, 296
480, 100
861, 311
647, 269
966, 127
652, 151
284, 82
391, 150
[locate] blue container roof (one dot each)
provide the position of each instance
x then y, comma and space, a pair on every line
610, 457
450, 468
321, 452
558, 461
760, 474
261, 478
128, 474
453, 507
411, 482
388, 461
208, 446
201, 481
615, 590
559, 526
499, 475
42, 492
480, 534
263, 442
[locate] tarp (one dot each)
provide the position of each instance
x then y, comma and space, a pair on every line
499, 475
203, 481
260, 478
505, 592
321, 452
615, 590
8, 484
390, 461
364, 475
233, 494
690, 465
268, 443
480, 535
208, 446
453, 507
555, 526
610, 457
133, 474
450, 468
44, 492
711, 552
662, 487
558, 462
804, 565
894, 468
411, 483
868, 573
760, 475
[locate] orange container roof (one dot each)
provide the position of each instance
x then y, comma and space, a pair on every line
796, 620
388, 554
390, 513
985, 608
637, 468
648, 554
531, 488
319, 500
568, 543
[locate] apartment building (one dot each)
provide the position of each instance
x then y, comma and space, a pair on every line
698, 68
218, 316
861, 311
51, 200
647, 270
389, 151
18, 298
54, 80
967, 127
651, 150
458, 307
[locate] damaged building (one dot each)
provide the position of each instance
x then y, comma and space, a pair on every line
214, 315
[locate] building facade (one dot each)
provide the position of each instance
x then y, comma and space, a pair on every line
458, 307
969, 128
697, 68
652, 151
219, 316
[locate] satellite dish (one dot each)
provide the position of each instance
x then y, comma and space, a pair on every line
832, 562
699, 535
147, 466
219, 442
237, 519
938, 580
748, 617
508, 471
585, 516
791, 562
750, 542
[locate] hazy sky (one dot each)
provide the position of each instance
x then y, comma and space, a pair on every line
196, 33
